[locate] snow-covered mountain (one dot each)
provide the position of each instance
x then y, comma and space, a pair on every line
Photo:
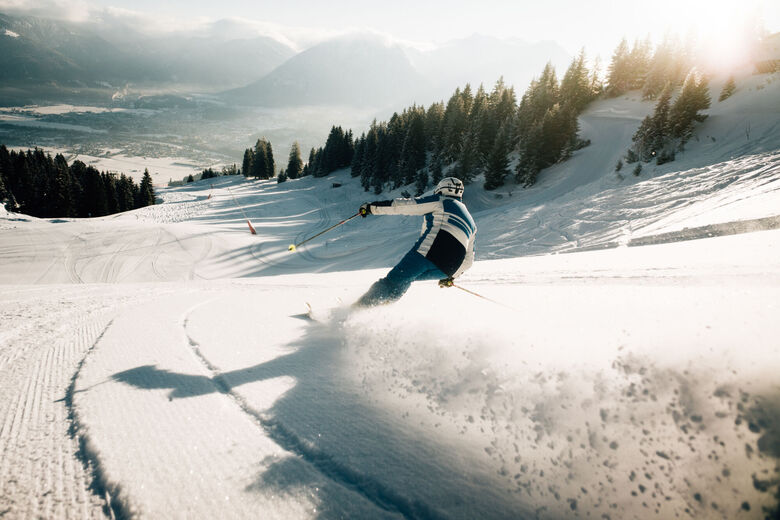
35, 51
357, 71
365, 70
157, 363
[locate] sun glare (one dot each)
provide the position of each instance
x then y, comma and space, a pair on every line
723, 32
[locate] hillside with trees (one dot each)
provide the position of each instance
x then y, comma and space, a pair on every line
474, 133
671, 125
492, 134
37, 184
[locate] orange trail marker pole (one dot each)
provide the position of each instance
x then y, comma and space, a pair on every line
251, 228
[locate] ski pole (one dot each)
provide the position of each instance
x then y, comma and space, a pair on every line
293, 247
484, 297
251, 228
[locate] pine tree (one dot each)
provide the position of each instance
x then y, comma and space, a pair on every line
124, 192
294, 163
434, 123
369, 157
357, 158
619, 71
383, 159
469, 159
468, 98
260, 160
390, 145
595, 82
3, 191
661, 119
308, 167
270, 168
331, 152
454, 125
146, 191
109, 188
503, 102
61, 195
190, 178
497, 167
559, 132
651, 138
77, 181
659, 71
437, 170
685, 110
421, 182
540, 96
5, 171
246, 164
669, 64
528, 163
96, 202
728, 89
575, 86
482, 121
348, 149
135, 192
639, 63
42, 167
19, 181
412, 156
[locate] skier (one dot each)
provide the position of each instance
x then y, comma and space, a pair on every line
444, 250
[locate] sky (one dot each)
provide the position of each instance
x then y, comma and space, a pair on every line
597, 25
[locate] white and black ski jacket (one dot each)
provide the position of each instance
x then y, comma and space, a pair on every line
448, 230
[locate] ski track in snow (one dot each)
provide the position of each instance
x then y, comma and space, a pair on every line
41, 475
384, 498
222, 482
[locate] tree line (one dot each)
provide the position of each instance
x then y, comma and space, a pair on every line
652, 70
659, 73
336, 154
473, 133
208, 173
37, 184
483, 133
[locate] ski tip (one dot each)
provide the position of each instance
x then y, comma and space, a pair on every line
291, 248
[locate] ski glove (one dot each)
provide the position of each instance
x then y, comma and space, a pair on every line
446, 282
365, 209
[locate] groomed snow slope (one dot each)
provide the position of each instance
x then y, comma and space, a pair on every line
154, 363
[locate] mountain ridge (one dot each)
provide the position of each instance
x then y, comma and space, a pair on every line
357, 69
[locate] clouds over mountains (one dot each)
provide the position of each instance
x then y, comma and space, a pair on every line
235, 56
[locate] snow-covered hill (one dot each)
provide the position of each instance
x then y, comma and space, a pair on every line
155, 363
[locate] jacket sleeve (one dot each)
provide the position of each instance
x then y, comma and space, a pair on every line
418, 206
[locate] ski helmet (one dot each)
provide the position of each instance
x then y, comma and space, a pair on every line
450, 186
